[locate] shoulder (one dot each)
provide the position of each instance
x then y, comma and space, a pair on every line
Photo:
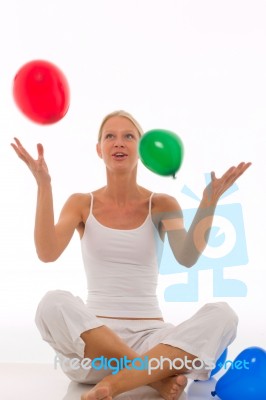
79, 198
162, 202
77, 204
76, 209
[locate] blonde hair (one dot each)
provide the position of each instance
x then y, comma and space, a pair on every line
120, 113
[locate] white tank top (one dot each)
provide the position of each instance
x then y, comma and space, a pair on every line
122, 268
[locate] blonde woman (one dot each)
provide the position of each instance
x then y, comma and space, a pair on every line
122, 226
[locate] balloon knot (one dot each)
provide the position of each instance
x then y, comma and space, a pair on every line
213, 393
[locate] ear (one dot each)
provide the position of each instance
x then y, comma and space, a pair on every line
98, 149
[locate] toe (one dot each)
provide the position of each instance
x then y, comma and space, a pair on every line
181, 380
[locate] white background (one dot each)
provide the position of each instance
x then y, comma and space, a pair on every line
196, 67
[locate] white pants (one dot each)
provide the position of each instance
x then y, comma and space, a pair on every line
62, 317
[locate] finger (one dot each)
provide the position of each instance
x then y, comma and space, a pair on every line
234, 172
240, 169
17, 141
228, 174
243, 165
213, 177
246, 165
16, 149
17, 145
22, 152
40, 150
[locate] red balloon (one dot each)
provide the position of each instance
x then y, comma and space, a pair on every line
41, 92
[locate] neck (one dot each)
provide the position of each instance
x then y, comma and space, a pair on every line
122, 187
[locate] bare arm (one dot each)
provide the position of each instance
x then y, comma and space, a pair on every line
50, 239
188, 246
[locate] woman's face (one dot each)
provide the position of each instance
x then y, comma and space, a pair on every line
119, 143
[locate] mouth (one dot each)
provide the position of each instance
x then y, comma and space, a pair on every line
119, 155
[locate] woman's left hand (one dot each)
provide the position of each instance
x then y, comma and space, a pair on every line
218, 186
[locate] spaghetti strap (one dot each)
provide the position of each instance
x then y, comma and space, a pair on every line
91, 206
91, 203
150, 203
133, 255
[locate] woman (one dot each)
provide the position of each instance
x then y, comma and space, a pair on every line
122, 227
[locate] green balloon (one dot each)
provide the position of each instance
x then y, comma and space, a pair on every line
161, 151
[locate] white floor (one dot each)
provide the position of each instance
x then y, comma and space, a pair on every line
43, 382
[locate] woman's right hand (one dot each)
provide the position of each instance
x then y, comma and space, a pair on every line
38, 167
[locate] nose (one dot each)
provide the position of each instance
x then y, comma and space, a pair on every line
119, 143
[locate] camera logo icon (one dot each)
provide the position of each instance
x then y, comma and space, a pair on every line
226, 247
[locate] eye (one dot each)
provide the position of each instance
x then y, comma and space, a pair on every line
129, 136
109, 136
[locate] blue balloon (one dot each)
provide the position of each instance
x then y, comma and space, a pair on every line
219, 363
246, 377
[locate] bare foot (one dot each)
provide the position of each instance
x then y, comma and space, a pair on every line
171, 388
99, 392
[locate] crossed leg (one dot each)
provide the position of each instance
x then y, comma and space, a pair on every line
102, 341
